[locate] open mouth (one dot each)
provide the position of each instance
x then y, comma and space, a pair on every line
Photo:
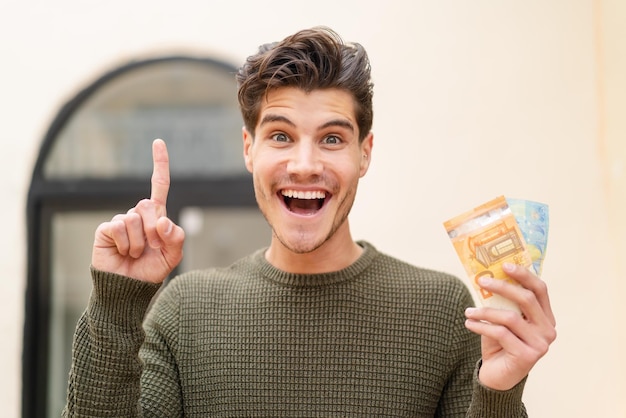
303, 202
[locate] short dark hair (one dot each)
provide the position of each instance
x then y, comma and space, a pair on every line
310, 59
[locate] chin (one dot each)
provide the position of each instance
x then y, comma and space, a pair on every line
302, 245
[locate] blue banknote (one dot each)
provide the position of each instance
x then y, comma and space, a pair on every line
533, 220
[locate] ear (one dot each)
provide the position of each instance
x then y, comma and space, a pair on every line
366, 153
248, 140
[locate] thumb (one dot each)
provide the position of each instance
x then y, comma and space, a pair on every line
172, 237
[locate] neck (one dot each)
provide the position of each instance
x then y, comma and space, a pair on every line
336, 253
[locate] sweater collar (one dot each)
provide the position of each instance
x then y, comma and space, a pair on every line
282, 277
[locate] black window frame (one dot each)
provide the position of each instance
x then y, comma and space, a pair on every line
47, 197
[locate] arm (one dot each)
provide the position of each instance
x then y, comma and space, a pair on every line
105, 372
132, 255
490, 403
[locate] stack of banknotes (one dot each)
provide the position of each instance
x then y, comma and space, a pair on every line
501, 230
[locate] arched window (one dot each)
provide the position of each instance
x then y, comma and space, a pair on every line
96, 161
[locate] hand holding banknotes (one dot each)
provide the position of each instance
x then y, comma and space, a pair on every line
502, 244
513, 343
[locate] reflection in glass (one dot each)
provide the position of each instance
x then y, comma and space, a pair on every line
189, 104
215, 237
70, 286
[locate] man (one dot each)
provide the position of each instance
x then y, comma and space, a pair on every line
316, 324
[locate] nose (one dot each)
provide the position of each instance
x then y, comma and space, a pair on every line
305, 160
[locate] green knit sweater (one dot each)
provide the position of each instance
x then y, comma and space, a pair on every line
380, 338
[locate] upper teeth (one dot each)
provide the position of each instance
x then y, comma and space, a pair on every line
304, 195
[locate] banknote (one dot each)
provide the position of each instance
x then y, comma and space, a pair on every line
484, 238
533, 220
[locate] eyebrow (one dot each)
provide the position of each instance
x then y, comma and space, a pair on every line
275, 118
343, 123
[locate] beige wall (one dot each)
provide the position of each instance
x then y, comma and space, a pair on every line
611, 61
473, 99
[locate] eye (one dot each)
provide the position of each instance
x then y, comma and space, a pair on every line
332, 140
280, 137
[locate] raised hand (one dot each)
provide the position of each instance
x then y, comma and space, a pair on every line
143, 243
512, 343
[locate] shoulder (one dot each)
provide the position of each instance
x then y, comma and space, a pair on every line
211, 281
426, 282
386, 263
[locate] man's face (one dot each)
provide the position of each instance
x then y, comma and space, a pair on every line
306, 161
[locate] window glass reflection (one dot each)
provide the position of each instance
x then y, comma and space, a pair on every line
189, 104
70, 286
215, 237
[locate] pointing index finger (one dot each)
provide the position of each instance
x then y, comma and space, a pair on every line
160, 173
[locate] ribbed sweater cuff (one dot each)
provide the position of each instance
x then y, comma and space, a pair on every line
119, 300
496, 403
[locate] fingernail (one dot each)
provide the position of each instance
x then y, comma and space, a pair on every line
484, 280
470, 311
508, 267
170, 225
